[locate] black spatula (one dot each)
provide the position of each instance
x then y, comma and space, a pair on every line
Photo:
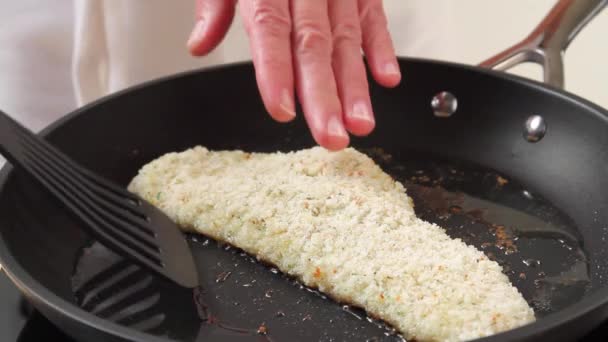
119, 219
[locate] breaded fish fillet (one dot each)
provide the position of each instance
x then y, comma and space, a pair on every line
337, 222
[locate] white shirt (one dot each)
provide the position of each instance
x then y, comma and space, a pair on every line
57, 55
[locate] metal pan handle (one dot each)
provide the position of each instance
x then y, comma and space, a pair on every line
546, 44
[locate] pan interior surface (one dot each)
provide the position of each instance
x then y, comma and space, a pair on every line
538, 246
539, 209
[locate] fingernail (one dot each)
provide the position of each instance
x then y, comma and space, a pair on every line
197, 33
361, 112
391, 68
287, 103
335, 127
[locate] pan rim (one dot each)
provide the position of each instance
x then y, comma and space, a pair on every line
40, 293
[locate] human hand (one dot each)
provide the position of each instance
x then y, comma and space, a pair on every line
315, 47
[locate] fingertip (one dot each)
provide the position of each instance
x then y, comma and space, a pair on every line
360, 127
334, 143
337, 145
360, 119
281, 115
214, 18
389, 75
196, 39
282, 107
287, 105
333, 135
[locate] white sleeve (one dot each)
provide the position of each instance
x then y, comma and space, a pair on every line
122, 43
90, 53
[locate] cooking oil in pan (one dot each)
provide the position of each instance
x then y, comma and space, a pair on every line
239, 299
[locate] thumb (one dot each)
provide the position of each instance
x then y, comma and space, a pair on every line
213, 19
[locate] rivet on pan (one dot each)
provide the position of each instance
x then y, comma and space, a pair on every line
535, 128
444, 104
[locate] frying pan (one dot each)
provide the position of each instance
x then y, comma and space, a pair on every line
511, 166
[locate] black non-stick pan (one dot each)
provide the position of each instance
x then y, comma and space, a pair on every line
516, 168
